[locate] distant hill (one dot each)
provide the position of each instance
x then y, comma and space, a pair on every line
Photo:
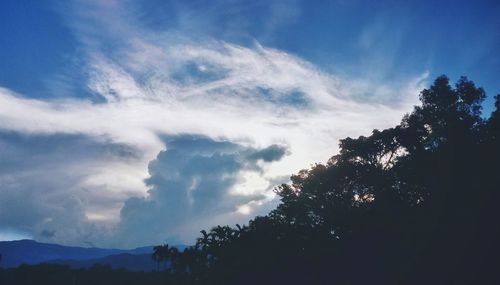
15, 253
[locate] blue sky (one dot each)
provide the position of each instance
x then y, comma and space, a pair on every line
99, 97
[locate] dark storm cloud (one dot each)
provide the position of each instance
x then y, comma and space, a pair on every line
191, 181
41, 183
270, 153
65, 147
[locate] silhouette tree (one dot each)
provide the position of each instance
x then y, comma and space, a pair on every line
161, 253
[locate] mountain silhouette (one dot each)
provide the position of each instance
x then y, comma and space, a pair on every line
15, 253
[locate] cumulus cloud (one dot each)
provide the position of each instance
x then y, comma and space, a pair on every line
191, 180
257, 114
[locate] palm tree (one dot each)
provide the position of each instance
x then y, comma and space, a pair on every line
240, 230
176, 258
203, 242
160, 253
157, 256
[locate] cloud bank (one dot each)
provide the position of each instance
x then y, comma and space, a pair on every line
195, 178
178, 134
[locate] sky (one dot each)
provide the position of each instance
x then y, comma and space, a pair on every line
131, 123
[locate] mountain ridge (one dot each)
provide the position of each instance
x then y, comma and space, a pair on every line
27, 251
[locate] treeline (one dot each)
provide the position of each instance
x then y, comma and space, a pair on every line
414, 204
54, 274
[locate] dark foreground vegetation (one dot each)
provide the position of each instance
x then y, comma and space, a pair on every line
413, 204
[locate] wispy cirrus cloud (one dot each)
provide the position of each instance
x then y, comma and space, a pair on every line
154, 84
